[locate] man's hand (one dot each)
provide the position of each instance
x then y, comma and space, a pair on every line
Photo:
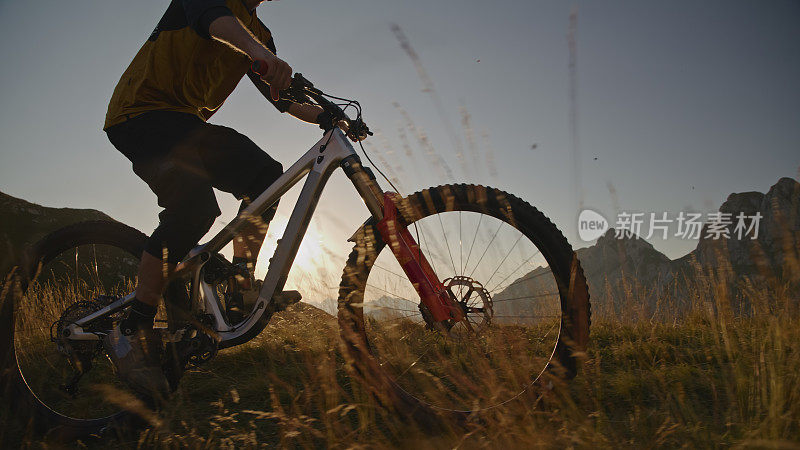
278, 73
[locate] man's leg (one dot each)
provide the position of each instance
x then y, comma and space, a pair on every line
163, 149
247, 244
152, 275
237, 165
189, 211
157, 144
150, 284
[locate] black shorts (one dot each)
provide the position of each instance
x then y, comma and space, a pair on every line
182, 159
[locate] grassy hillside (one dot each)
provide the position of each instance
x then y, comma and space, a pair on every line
709, 381
23, 223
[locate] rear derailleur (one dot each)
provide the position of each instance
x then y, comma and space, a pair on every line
80, 354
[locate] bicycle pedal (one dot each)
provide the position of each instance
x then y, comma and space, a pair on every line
285, 299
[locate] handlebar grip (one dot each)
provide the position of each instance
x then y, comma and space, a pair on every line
260, 67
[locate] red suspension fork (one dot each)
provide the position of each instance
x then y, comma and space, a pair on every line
408, 253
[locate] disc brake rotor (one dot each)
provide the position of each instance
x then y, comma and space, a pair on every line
474, 300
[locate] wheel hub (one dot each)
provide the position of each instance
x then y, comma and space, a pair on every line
59, 331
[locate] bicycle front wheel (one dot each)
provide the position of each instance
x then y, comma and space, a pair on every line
515, 276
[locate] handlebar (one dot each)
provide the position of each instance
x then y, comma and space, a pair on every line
303, 91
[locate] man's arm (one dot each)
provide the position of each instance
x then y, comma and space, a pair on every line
212, 19
229, 30
303, 111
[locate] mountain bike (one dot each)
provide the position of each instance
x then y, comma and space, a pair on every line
455, 299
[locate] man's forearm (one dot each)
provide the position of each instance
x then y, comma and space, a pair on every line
305, 112
310, 113
229, 30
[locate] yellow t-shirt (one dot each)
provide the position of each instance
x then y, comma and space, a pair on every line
177, 69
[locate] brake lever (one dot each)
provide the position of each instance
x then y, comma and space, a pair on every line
360, 129
301, 90
294, 92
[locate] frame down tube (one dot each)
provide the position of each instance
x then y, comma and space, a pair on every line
319, 162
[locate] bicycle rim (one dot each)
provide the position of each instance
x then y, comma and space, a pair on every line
77, 273
501, 274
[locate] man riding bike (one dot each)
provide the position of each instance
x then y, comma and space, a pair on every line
157, 117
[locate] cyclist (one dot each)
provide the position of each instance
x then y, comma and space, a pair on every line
157, 118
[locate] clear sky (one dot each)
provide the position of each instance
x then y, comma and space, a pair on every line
679, 102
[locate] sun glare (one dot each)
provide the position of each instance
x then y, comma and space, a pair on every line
310, 257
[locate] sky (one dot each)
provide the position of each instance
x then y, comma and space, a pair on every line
678, 103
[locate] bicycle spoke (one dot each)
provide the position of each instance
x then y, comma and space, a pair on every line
515, 271
460, 248
488, 246
390, 293
391, 272
431, 258
65, 288
29, 329
474, 237
548, 331
447, 243
504, 258
523, 280
475, 300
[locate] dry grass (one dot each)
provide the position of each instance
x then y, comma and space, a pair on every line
708, 380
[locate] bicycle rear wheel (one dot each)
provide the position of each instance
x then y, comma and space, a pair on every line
516, 278
70, 273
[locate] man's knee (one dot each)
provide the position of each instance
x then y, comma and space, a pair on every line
271, 171
178, 232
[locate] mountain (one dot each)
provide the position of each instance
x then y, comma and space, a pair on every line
769, 264
23, 223
619, 268
385, 308
775, 252
628, 275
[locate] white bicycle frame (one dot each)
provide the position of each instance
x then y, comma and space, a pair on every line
331, 152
